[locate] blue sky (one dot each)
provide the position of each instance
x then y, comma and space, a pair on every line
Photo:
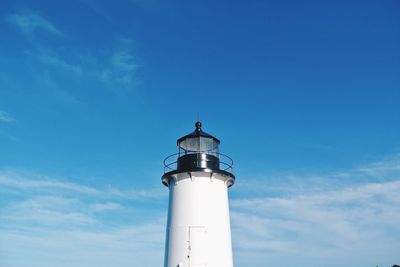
304, 96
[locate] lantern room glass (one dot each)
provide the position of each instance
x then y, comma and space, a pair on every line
199, 144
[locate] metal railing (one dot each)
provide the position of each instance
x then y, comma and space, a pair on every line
170, 162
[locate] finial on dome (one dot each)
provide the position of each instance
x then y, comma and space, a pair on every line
198, 126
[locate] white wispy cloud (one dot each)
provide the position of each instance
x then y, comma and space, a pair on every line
5, 117
44, 184
53, 59
37, 183
138, 244
346, 224
334, 217
324, 223
382, 168
101, 207
115, 67
124, 65
30, 22
70, 223
121, 66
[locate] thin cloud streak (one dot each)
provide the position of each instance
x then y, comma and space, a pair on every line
49, 184
30, 22
383, 168
51, 58
5, 117
45, 184
380, 171
115, 67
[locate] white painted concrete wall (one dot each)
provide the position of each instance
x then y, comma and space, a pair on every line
198, 228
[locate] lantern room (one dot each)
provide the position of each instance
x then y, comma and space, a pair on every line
198, 152
198, 142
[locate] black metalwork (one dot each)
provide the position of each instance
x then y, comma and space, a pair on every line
220, 162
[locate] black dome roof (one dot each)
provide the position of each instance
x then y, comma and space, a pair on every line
198, 132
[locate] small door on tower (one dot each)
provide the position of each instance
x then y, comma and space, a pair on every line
199, 246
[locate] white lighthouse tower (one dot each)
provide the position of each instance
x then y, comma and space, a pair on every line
198, 227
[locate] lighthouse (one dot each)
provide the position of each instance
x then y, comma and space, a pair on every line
198, 228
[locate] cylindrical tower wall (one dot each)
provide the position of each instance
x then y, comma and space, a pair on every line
198, 228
